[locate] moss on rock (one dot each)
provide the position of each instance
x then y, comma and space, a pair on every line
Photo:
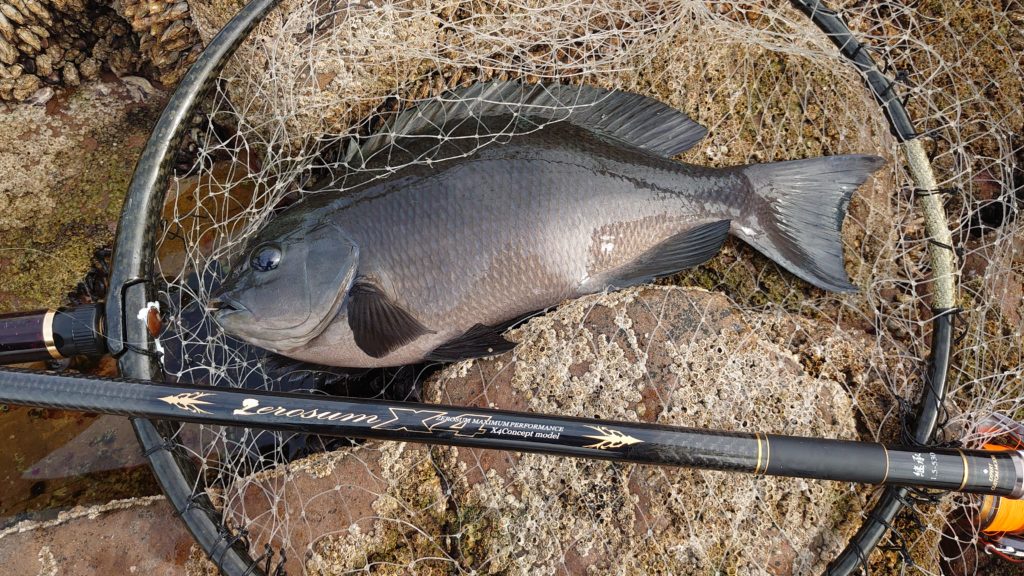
65, 169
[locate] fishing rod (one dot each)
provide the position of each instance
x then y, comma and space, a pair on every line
985, 472
996, 473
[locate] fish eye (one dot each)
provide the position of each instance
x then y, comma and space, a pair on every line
265, 258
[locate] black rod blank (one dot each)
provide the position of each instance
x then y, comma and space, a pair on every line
974, 471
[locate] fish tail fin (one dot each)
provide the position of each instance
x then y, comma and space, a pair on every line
800, 222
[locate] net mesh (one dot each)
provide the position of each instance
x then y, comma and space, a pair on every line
735, 344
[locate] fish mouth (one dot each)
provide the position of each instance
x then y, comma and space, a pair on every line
223, 306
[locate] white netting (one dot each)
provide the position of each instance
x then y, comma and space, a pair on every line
772, 355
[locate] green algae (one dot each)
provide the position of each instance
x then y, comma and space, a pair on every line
75, 168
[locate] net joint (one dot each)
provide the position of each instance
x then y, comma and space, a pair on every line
167, 444
945, 191
901, 77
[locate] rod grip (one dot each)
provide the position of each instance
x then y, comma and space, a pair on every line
51, 334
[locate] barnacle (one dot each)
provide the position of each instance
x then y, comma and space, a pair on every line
59, 43
167, 38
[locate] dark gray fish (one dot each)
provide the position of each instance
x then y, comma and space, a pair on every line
574, 192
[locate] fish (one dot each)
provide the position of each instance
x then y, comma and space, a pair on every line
510, 198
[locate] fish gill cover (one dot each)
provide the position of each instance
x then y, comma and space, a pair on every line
736, 343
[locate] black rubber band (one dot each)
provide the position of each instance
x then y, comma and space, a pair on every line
167, 445
946, 191
942, 245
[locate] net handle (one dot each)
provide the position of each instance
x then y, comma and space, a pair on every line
131, 271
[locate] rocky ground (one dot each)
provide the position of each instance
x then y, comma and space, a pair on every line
64, 167
658, 354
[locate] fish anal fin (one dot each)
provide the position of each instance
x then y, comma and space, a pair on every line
480, 340
676, 253
378, 324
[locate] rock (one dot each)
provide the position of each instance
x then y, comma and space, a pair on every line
65, 169
125, 537
667, 355
46, 35
167, 37
139, 88
368, 50
40, 97
655, 354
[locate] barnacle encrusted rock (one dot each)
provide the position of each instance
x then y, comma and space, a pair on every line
665, 355
58, 43
655, 354
167, 38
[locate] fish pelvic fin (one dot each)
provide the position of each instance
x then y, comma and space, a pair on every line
799, 223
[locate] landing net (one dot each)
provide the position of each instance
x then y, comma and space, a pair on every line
735, 344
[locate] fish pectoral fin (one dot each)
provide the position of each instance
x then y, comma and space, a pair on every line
674, 254
378, 324
480, 340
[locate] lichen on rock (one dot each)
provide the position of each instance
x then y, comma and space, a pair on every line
65, 171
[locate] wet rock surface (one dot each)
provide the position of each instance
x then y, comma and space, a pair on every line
140, 536
64, 169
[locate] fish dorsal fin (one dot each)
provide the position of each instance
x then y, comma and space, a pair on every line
674, 254
378, 324
489, 110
